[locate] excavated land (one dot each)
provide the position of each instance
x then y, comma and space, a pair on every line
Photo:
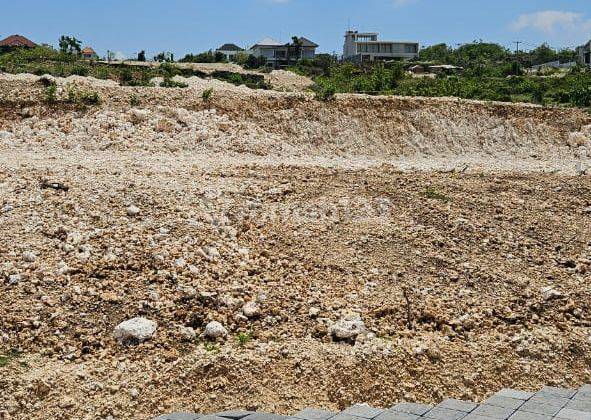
454, 235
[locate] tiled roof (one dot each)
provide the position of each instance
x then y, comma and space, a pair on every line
88, 50
17, 41
230, 47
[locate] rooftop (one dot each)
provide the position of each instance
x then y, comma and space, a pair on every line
17, 41
230, 47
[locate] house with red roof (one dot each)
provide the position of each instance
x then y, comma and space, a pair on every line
88, 53
16, 41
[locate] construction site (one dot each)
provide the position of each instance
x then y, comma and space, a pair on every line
217, 247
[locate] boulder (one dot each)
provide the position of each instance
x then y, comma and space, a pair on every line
215, 330
134, 331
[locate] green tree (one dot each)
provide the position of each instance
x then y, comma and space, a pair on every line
439, 53
70, 45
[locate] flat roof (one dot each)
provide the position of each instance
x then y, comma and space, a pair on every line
387, 42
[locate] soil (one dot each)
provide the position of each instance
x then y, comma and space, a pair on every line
458, 231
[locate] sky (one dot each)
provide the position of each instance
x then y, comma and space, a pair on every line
183, 26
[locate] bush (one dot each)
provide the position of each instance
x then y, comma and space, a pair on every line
170, 83
51, 93
207, 94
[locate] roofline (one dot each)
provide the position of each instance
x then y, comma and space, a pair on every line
387, 42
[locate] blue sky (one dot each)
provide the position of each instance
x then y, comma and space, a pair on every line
185, 26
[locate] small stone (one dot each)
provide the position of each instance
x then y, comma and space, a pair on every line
550, 293
135, 331
14, 279
29, 257
587, 210
215, 330
134, 393
133, 211
251, 309
314, 312
348, 328
188, 333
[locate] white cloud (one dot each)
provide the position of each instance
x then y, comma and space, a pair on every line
551, 21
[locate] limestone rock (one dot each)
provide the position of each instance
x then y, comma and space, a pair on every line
134, 331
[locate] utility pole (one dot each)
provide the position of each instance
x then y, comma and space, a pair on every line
517, 60
517, 46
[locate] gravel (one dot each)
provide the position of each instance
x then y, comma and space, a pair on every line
437, 222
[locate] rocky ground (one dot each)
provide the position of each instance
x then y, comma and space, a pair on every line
266, 251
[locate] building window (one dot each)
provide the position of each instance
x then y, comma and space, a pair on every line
410, 49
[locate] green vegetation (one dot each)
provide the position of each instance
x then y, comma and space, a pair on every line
169, 83
432, 194
51, 93
244, 338
491, 73
207, 94
205, 57
70, 45
45, 60
6, 359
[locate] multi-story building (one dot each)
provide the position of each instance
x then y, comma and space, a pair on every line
278, 54
365, 46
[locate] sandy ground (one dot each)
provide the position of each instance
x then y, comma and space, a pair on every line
470, 269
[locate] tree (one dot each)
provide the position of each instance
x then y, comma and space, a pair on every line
70, 45
439, 53
141, 56
295, 49
543, 54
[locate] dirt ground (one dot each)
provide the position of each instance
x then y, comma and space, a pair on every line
470, 269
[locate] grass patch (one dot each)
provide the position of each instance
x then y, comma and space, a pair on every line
244, 338
432, 194
207, 94
6, 359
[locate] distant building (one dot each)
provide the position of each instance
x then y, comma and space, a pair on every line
584, 53
16, 41
553, 65
88, 54
364, 46
279, 55
229, 51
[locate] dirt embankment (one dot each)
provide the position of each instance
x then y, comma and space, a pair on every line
238, 120
284, 219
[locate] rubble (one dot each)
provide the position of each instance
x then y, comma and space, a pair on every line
335, 246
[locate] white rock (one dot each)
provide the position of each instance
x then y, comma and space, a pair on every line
348, 327
133, 211
134, 330
211, 252
28, 256
215, 330
314, 312
251, 309
14, 279
188, 333
550, 293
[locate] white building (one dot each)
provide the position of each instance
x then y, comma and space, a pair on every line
365, 46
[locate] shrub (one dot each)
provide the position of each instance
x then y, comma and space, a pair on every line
51, 93
207, 94
80, 71
169, 83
